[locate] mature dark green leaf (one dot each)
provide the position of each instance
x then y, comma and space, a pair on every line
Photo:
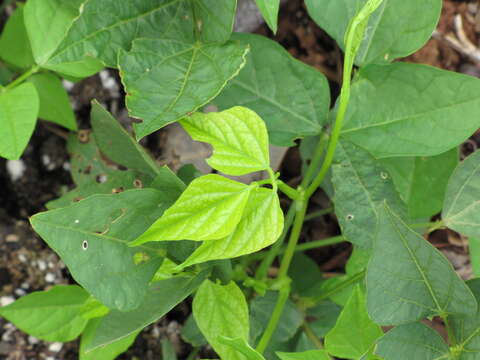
242, 346
260, 225
18, 116
421, 181
292, 98
92, 237
269, 10
6, 74
107, 26
52, 315
168, 351
307, 355
474, 249
462, 200
414, 341
209, 209
161, 297
467, 329
14, 45
166, 80
221, 310
54, 102
324, 317
361, 184
354, 333
440, 114
238, 136
192, 334
408, 279
393, 30
301, 265
116, 143
108, 352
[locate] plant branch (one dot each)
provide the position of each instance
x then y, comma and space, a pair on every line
34, 69
318, 213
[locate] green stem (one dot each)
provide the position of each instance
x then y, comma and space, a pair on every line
431, 226
344, 284
320, 243
311, 335
317, 157
283, 295
288, 190
450, 332
273, 179
318, 213
34, 69
193, 354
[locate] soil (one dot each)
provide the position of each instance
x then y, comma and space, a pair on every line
27, 264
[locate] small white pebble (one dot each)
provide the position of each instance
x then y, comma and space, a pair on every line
15, 169
51, 265
50, 278
67, 166
68, 85
20, 292
45, 159
25, 285
6, 300
49, 358
42, 265
55, 347
22, 258
33, 340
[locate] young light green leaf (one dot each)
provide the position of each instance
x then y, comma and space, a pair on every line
354, 333
166, 80
421, 181
221, 310
119, 146
54, 102
47, 22
52, 315
242, 346
269, 10
306, 355
93, 309
361, 184
408, 279
291, 97
462, 201
18, 116
91, 237
161, 297
440, 114
14, 45
108, 352
209, 209
467, 329
238, 136
260, 225
392, 32
414, 341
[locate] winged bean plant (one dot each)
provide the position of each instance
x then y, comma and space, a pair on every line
145, 239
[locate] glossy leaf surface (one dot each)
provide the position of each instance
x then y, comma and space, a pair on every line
52, 315
166, 80
221, 310
91, 237
292, 98
408, 279
440, 115
269, 10
238, 136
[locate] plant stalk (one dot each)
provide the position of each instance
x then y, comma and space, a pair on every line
34, 69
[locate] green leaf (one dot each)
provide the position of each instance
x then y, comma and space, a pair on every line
161, 297
474, 250
292, 97
301, 265
6, 74
354, 333
260, 226
269, 10
14, 45
221, 310
421, 181
467, 329
209, 209
462, 202
392, 31
168, 352
54, 102
93, 309
107, 26
238, 136
47, 22
408, 279
52, 315
18, 116
242, 346
440, 115
114, 141
91, 237
191, 333
414, 341
306, 355
324, 317
361, 185
108, 352
166, 80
